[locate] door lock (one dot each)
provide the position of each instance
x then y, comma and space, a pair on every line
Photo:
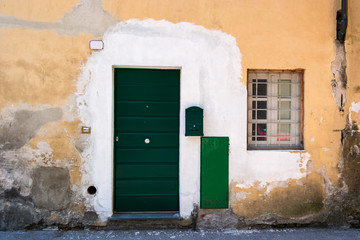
147, 141
117, 138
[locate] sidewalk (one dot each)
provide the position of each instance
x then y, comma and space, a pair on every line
283, 234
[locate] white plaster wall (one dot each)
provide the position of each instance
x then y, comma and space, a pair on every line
355, 107
210, 63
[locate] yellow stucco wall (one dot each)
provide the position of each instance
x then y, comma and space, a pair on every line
352, 46
41, 67
36, 10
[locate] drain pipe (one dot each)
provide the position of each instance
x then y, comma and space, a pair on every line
342, 21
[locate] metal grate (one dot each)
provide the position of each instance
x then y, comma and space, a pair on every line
274, 110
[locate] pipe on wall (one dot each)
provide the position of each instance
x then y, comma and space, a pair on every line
342, 21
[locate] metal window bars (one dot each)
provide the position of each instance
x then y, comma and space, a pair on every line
274, 110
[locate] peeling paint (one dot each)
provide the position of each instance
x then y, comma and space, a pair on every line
327, 183
355, 107
16, 211
50, 189
18, 129
87, 16
30, 10
32, 147
269, 166
338, 67
282, 199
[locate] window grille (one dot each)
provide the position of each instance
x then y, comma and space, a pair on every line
274, 110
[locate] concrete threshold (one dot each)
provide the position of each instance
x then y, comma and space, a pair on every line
145, 216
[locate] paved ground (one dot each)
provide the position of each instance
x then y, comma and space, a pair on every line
284, 234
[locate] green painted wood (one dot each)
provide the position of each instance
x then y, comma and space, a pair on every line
152, 77
150, 186
146, 109
137, 140
146, 171
144, 203
147, 124
148, 93
146, 155
214, 172
147, 104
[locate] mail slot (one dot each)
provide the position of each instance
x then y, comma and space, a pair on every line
194, 121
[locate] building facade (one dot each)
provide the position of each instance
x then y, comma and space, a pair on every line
237, 112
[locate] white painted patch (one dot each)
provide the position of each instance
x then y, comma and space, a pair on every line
300, 183
266, 167
210, 63
242, 185
276, 184
241, 195
312, 139
355, 107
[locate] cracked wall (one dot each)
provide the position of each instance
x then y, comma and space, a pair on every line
347, 196
351, 176
338, 67
41, 147
44, 53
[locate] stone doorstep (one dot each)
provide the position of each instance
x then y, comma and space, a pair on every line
145, 216
156, 220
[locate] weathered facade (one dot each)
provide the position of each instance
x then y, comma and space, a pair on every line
53, 86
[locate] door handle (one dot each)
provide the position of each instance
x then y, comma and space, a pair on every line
117, 138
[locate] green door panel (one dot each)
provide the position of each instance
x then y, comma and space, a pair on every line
149, 186
214, 172
143, 202
150, 93
143, 171
149, 155
146, 146
147, 109
137, 140
146, 124
151, 77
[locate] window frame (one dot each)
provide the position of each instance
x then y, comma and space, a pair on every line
301, 130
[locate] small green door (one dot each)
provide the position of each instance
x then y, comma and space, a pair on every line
214, 185
146, 144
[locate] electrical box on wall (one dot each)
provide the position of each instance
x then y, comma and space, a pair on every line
194, 121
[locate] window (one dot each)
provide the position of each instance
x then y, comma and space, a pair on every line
275, 109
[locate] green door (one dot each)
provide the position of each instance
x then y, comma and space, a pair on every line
214, 172
146, 146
